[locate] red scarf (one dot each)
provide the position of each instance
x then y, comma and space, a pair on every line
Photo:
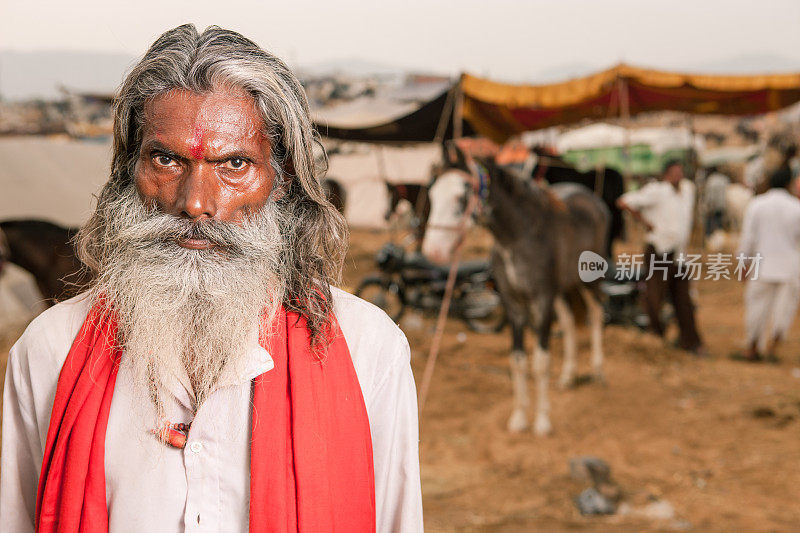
311, 452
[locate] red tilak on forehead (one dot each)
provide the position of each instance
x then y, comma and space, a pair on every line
197, 142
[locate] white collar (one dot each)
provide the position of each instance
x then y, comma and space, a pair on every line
258, 362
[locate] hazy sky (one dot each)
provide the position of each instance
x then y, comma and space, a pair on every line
506, 39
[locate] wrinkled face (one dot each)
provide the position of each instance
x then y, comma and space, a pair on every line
448, 197
204, 156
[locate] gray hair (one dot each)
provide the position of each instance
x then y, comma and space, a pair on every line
182, 58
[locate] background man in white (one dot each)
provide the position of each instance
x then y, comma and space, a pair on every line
666, 208
771, 229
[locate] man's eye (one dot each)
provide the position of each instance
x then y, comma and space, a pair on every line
164, 160
236, 163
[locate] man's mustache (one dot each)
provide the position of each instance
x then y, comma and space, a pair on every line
167, 229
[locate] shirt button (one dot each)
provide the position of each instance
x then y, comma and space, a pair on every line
196, 447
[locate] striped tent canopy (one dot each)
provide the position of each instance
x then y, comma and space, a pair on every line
499, 110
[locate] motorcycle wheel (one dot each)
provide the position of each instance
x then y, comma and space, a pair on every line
385, 295
483, 311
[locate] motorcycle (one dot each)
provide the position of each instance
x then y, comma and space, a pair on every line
623, 301
411, 281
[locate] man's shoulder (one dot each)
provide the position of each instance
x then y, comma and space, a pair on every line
650, 186
793, 204
791, 200
60, 319
656, 189
364, 319
377, 345
646, 194
48, 338
772, 198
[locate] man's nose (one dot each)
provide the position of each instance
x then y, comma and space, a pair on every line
197, 194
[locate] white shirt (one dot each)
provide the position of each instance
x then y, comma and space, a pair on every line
205, 486
668, 210
771, 228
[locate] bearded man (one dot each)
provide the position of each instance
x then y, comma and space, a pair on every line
211, 379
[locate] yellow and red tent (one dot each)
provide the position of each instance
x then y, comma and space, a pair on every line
499, 111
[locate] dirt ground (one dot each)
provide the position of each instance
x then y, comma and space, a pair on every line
718, 440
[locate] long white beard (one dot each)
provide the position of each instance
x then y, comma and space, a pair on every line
188, 312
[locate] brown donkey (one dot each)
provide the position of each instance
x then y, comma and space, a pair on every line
540, 233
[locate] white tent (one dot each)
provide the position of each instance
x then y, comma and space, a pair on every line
601, 135
362, 113
51, 178
593, 136
363, 170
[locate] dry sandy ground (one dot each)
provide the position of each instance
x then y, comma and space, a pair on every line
718, 440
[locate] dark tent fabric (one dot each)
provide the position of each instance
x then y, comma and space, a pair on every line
418, 126
499, 111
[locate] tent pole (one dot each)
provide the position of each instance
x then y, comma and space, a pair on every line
447, 111
694, 157
458, 113
625, 115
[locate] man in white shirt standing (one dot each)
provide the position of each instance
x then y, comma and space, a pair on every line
771, 230
666, 208
212, 378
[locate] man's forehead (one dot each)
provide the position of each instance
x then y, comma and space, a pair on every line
185, 108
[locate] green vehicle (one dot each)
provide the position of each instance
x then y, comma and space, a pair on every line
641, 152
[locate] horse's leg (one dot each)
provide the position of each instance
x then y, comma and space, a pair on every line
517, 311
519, 378
541, 364
567, 322
595, 319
